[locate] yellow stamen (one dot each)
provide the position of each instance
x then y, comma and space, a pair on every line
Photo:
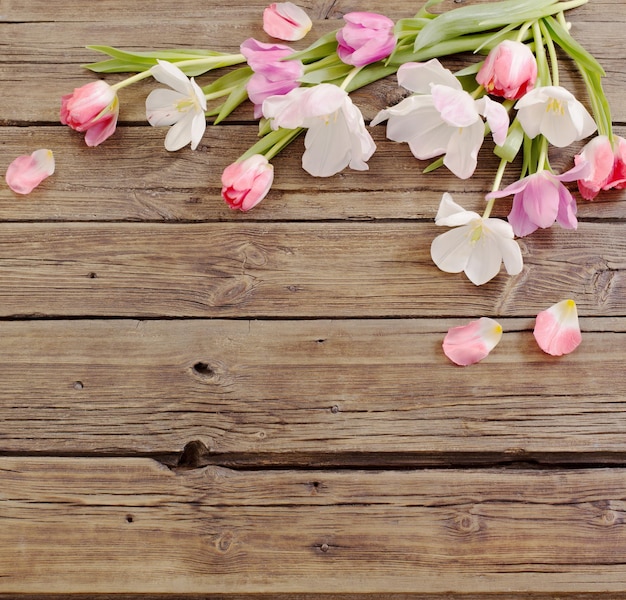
555, 106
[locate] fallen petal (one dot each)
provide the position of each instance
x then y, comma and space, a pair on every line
557, 330
26, 172
468, 344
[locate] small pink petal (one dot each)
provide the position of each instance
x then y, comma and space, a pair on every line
557, 330
286, 21
26, 172
467, 344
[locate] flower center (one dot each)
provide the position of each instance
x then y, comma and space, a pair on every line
555, 106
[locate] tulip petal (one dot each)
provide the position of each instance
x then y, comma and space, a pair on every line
468, 344
419, 77
26, 172
557, 330
462, 150
286, 21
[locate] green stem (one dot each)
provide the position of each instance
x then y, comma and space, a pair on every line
554, 62
349, 77
194, 62
496, 186
290, 135
540, 53
130, 80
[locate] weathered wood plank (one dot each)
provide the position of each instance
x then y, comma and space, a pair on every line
133, 526
40, 40
132, 177
305, 270
296, 391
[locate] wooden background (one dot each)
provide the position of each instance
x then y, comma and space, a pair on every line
198, 403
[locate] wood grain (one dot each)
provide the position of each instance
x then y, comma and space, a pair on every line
261, 270
198, 403
131, 525
288, 392
133, 178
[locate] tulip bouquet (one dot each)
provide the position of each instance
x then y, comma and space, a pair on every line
512, 93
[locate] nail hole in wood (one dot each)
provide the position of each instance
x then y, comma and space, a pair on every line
78, 385
129, 518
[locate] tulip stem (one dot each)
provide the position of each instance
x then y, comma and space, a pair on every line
130, 80
496, 186
193, 62
554, 62
349, 77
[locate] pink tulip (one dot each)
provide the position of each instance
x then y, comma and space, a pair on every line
509, 71
286, 21
557, 330
246, 183
365, 38
273, 76
608, 166
92, 108
541, 199
26, 172
470, 343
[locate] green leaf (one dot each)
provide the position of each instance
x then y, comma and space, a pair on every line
514, 139
326, 75
325, 45
123, 62
234, 78
481, 17
235, 98
578, 54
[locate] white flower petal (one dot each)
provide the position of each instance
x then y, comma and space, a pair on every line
169, 74
485, 259
418, 77
161, 107
451, 250
462, 149
179, 134
327, 149
198, 127
511, 256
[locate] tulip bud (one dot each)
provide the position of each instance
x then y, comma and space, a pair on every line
92, 108
509, 71
246, 183
608, 166
365, 38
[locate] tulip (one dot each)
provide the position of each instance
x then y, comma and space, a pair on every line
286, 21
608, 166
468, 344
541, 199
557, 330
26, 172
365, 38
442, 118
92, 108
183, 107
245, 183
272, 74
477, 246
509, 71
336, 136
555, 113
